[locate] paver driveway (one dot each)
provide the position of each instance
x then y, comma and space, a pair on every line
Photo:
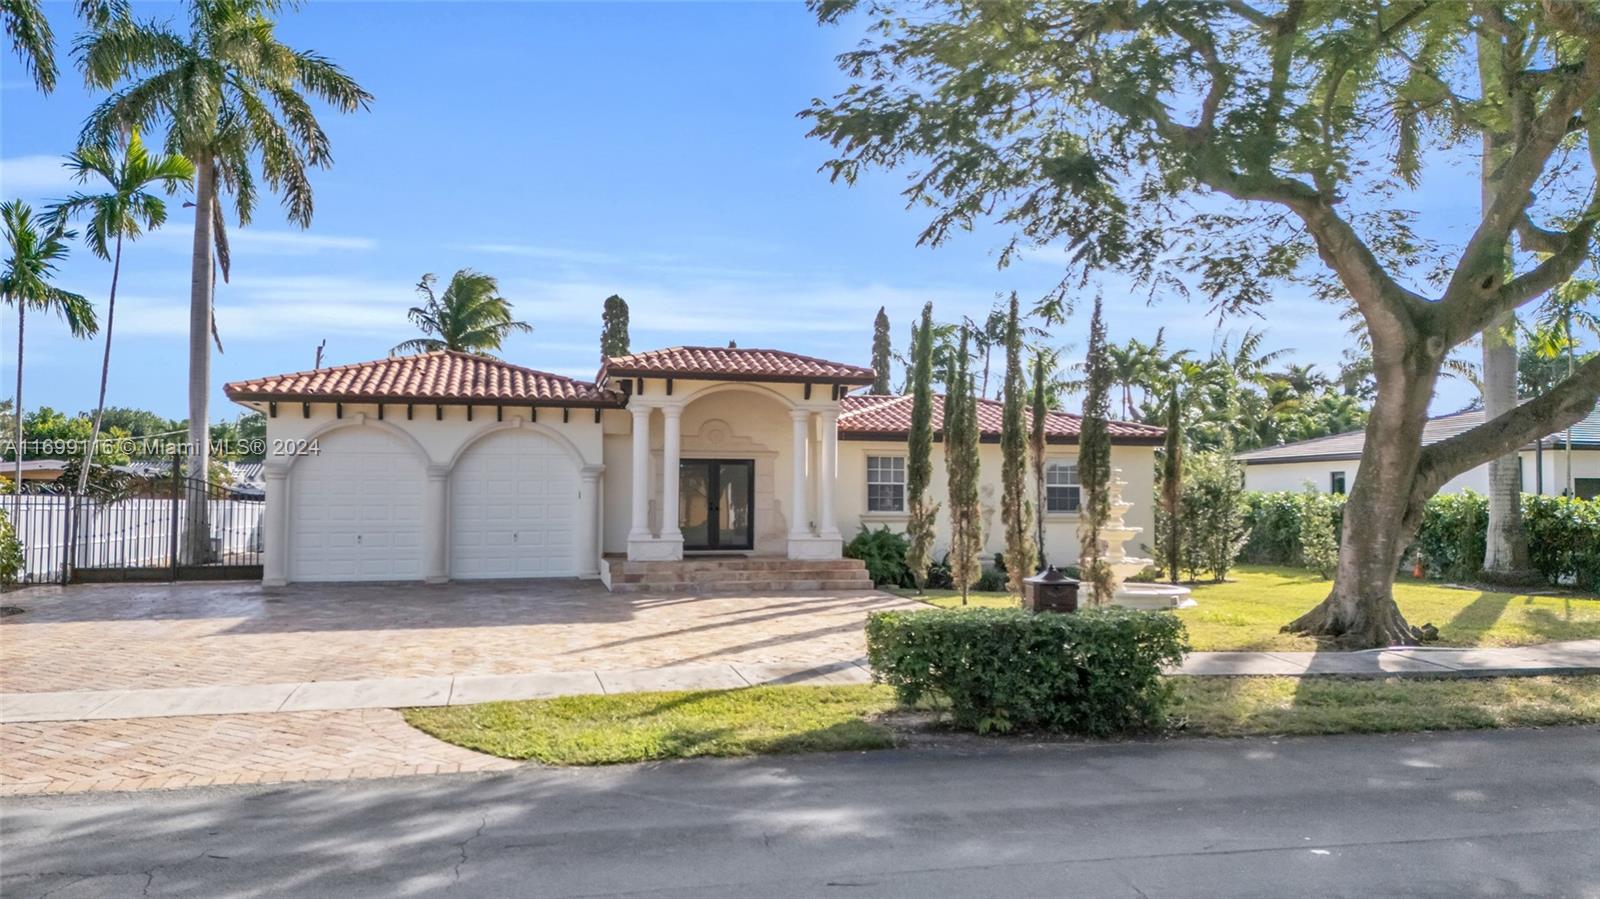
122, 636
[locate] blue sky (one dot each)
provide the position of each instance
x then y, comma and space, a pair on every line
573, 151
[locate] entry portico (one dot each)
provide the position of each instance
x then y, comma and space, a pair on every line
754, 432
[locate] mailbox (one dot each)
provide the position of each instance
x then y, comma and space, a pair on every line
1050, 591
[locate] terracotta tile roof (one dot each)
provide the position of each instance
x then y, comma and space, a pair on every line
868, 417
734, 364
444, 376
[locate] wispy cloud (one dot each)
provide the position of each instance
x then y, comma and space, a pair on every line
252, 242
36, 175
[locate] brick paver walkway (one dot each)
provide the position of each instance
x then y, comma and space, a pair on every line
168, 753
123, 636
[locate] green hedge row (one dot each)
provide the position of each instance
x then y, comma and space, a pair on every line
1094, 672
1563, 534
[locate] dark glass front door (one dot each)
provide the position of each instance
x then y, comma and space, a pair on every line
716, 503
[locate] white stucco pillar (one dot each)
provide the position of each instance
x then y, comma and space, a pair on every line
671, 419
436, 525
589, 520
827, 468
799, 514
639, 527
274, 526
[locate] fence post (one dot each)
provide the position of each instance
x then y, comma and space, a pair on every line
69, 548
177, 491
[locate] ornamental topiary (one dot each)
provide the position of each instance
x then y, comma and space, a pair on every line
1096, 672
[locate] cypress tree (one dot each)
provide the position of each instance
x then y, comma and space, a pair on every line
919, 453
614, 327
1036, 448
1094, 464
1172, 482
962, 473
882, 352
1014, 460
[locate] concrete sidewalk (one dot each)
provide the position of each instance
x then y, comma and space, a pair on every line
1576, 657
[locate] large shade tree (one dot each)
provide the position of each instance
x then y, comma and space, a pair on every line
125, 205
1236, 140
234, 100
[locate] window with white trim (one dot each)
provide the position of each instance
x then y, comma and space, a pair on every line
886, 483
1061, 490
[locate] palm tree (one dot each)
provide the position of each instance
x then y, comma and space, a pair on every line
471, 316
125, 210
31, 40
26, 283
228, 94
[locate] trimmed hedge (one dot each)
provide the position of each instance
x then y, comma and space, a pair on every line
1094, 672
1563, 534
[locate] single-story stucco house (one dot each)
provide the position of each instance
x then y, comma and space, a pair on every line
446, 465
1329, 464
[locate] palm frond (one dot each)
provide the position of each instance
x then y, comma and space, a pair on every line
32, 40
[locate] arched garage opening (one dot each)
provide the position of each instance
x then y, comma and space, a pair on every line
356, 512
514, 508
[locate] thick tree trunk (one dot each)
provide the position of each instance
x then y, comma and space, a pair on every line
1381, 516
1506, 553
105, 371
197, 529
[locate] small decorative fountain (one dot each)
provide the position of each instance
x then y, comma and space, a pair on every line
1115, 534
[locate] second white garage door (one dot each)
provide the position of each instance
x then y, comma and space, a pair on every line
513, 509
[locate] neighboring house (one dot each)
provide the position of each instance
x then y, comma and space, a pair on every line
1329, 464
446, 465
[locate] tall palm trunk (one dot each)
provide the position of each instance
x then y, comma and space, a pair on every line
105, 370
197, 523
16, 414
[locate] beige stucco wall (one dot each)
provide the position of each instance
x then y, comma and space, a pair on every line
1137, 464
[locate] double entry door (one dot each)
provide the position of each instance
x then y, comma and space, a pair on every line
716, 506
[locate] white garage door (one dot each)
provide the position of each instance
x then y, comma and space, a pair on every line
357, 510
514, 509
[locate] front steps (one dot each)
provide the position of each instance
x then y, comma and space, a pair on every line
738, 574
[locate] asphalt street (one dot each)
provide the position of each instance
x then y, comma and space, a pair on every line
1494, 813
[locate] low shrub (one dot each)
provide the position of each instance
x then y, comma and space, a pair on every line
939, 577
992, 580
1564, 539
1094, 673
10, 552
884, 553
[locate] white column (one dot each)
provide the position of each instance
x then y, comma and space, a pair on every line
799, 514
274, 533
827, 466
589, 520
639, 528
671, 420
436, 526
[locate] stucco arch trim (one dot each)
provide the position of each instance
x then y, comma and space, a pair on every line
528, 427
361, 420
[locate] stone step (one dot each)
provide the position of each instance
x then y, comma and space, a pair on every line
738, 564
784, 585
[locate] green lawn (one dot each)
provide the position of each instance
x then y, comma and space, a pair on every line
637, 727
1246, 612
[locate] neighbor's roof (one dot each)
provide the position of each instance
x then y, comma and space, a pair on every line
881, 417
732, 363
1585, 435
444, 376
